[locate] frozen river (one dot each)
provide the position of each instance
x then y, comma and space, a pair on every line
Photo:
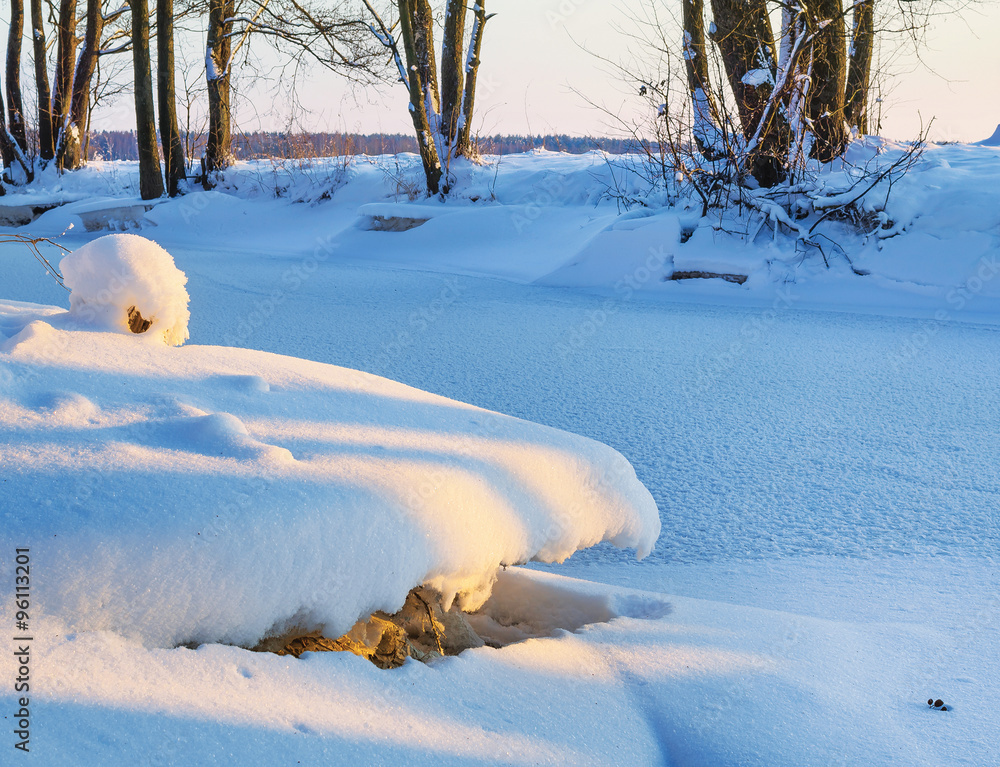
761, 433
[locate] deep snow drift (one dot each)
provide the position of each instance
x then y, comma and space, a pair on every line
306, 495
209, 494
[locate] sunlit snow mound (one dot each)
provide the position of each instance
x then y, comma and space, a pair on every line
120, 274
209, 494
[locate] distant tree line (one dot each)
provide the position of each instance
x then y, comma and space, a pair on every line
123, 145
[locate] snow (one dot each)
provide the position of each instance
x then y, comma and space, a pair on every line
212, 67
821, 446
212, 465
120, 273
758, 77
689, 52
705, 130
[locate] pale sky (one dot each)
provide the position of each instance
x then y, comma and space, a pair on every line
533, 62
531, 67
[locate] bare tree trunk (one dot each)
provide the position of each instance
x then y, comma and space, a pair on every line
10, 153
423, 45
746, 42
743, 34
46, 144
65, 56
15, 107
443, 127
71, 148
471, 77
150, 180
6, 144
416, 29
829, 78
452, 76
706, 131
218, 151
86, 133
170, 137
859, 69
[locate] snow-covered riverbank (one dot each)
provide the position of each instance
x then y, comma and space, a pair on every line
822, 448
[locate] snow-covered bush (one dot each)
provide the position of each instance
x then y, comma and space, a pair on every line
126, 282
756, 150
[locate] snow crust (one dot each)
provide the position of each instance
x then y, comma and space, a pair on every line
121, 272
207, 494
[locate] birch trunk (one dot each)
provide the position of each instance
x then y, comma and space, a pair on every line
6, 143
65, 58
746, 42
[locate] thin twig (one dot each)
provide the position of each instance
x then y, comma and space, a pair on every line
32, 243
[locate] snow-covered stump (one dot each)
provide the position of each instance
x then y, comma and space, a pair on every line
126, 282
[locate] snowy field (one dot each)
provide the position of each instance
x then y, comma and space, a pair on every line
822, 447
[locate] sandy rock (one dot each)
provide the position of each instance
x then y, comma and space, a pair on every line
431, 628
